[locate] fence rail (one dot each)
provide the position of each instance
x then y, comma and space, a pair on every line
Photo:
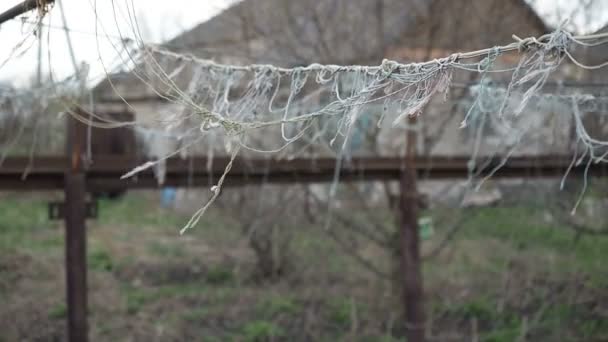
47, 173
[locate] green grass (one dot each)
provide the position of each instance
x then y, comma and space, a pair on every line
137, 298
221, 298
24, 224
136, 211
340, 311
59, 311
261, 331
100, 260
278, 305
220, 275
524, 230
488, 239
167, 251
198, 314
383, 338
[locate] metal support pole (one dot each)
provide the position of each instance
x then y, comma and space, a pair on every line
75, 233
410, 244
75, 256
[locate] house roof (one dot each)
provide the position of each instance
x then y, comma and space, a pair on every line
290, 33
346, 24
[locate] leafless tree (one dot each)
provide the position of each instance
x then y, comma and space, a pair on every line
290, 33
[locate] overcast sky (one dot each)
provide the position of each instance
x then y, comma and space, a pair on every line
158, 20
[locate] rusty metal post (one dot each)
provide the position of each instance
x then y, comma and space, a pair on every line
21, 8
75, 232
409, 242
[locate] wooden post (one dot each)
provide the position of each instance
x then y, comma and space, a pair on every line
409, 241
75, 232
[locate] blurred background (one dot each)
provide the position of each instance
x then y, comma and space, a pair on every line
282, 257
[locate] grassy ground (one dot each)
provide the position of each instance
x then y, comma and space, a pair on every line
509, 274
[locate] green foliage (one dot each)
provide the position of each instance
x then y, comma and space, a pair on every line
136, 300
261, 331
100, 260
340, 311
588, 325
481, 309
502, 335
594, 327
502, 325
218, 275
59, 311
279, 305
